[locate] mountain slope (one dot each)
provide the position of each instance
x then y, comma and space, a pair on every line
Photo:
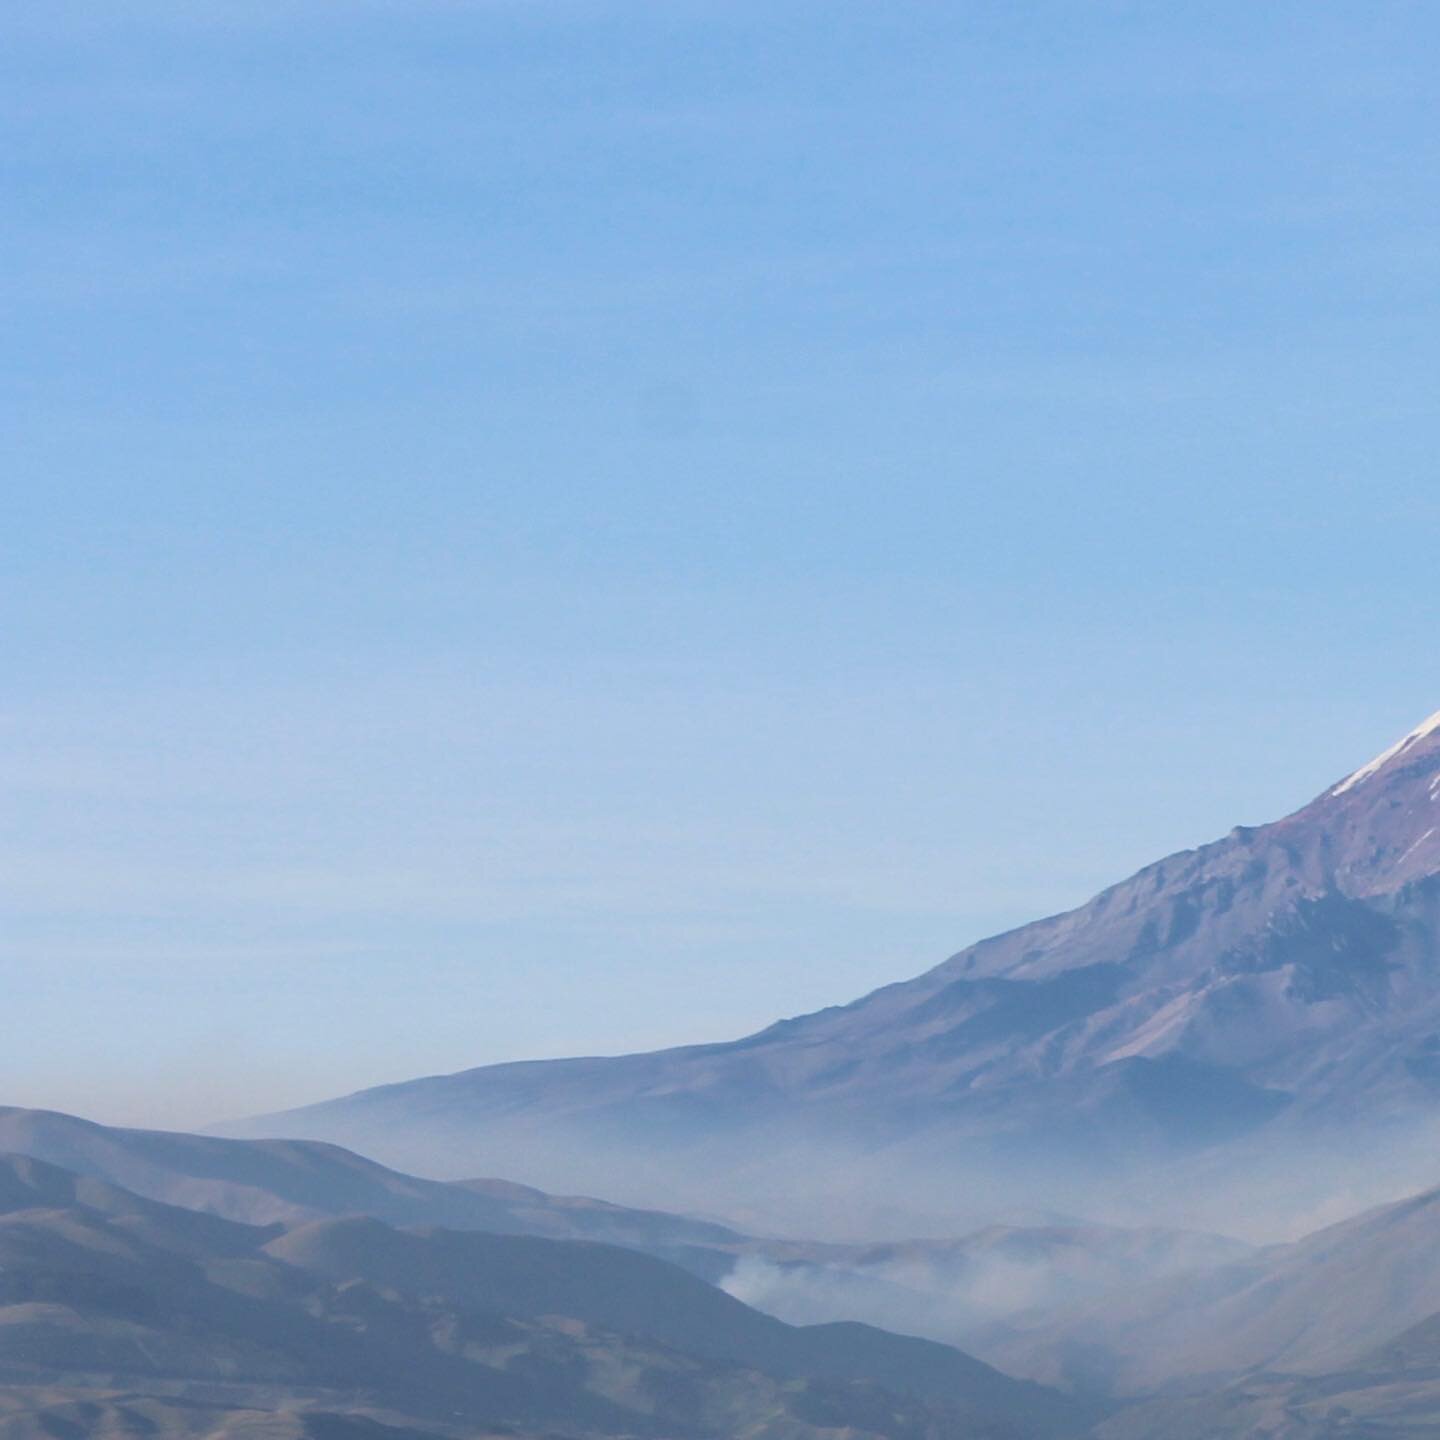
58, 1413
1391, 1393
1325, 1303
640, 1296
1280, 981
285, 1181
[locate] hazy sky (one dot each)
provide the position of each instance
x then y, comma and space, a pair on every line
542, 526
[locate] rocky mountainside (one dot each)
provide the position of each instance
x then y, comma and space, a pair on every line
1278, 985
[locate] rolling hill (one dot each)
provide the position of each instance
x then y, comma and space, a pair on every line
111, 1300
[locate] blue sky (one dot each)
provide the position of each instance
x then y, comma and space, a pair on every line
553, 527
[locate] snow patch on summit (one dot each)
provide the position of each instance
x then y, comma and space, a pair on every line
1426, 727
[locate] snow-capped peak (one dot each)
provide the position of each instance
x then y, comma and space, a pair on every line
1426, 727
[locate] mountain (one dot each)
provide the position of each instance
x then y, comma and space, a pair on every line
638, 1295
1319, 1305
1227, 1012
286, 1181
1335, 1335
57, 1413
1360, 1404
1391, 1393
122, 1315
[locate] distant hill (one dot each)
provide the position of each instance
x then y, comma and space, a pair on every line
285, 1181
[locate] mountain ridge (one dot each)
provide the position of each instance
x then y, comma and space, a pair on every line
1283, 979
